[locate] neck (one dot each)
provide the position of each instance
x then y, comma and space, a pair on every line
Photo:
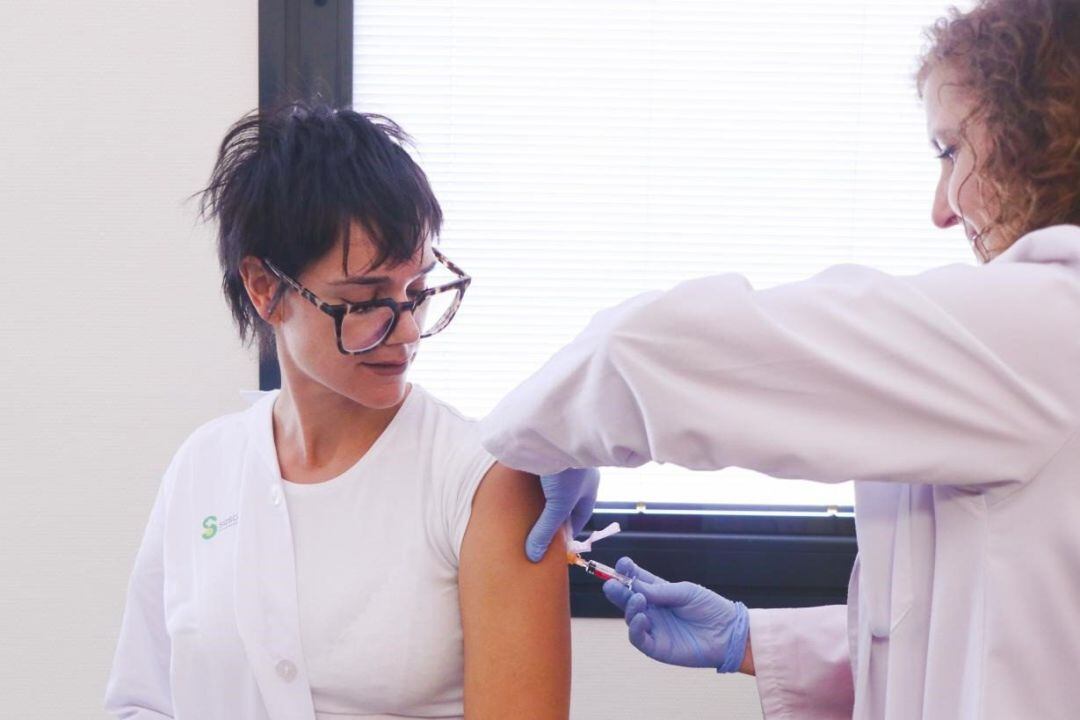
319, 433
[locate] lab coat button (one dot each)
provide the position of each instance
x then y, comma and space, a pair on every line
286, 670
275, 495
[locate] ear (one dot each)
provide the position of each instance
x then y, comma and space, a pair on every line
261, 285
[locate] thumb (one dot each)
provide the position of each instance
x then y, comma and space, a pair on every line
583, 509
543, 532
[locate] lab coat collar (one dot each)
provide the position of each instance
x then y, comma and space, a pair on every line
1058, 244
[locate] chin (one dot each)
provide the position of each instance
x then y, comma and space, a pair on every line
381, 395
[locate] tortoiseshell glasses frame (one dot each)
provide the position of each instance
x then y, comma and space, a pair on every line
340, 311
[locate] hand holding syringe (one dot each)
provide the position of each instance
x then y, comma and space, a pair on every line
574, 548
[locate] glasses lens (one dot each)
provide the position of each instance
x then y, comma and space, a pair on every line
436, 311
364, 330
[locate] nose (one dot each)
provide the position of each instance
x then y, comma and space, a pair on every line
407, 330
941, 213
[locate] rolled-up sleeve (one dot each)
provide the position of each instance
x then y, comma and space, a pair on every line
802, 663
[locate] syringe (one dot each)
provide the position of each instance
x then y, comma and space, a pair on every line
600, 570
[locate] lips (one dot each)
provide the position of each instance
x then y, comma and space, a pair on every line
395, 366
387, 363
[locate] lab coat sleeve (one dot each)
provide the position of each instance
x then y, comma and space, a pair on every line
139, 685
942, 377
801, 660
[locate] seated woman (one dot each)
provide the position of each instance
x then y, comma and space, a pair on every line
344, 548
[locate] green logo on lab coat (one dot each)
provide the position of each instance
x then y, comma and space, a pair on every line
210, 525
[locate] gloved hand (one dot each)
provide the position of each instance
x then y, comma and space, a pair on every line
680, 623
571, 495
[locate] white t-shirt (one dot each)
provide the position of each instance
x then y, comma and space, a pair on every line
377, 564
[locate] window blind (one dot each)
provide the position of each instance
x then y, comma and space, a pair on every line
588, 151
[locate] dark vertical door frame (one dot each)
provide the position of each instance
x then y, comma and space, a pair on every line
305, 52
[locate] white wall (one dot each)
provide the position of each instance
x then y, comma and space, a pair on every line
116, 343
613, 681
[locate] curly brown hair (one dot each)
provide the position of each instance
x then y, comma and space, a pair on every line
1020, 60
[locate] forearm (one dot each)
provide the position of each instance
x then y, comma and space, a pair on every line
747, 667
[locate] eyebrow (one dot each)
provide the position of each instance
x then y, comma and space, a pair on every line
376, 279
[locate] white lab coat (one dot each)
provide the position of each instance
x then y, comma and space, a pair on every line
952, 399
217, 600
211, 629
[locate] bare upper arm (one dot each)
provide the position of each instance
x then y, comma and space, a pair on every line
515, 614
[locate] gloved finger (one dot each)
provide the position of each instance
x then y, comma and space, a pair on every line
617, 593
543, 532
667, 594
635, 605
629, 568
640, 634
583, 508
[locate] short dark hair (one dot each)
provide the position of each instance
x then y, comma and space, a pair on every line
289, 183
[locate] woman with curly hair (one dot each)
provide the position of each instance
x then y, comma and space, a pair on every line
951, 398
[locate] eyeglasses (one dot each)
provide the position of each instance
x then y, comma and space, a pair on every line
362, 327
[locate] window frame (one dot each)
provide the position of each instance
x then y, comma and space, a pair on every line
765, 556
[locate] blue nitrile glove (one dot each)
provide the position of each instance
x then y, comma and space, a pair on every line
680, 623
571, 495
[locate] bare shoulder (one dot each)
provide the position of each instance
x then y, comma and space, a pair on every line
505, 506
493, 561
512, 494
